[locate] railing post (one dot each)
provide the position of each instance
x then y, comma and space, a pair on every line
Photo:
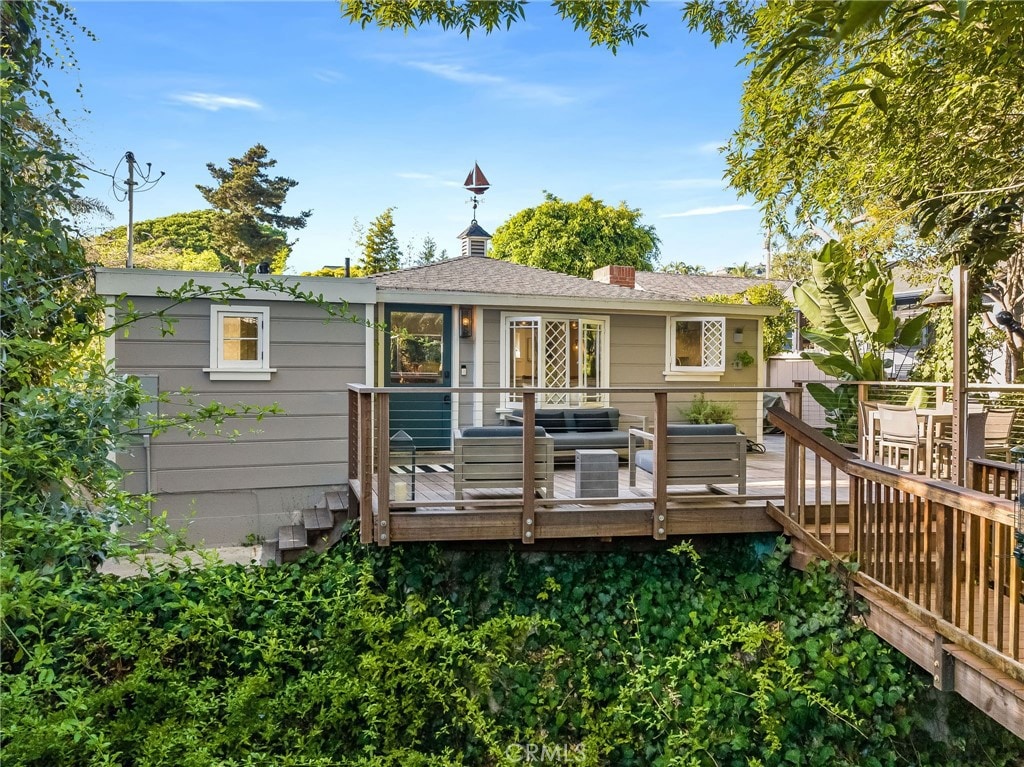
529, 469
791, 471
382, 530
660, 521
944, 585
863, 390
366, 531
353, 448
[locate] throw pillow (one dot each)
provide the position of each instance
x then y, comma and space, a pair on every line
552, 421
596, 420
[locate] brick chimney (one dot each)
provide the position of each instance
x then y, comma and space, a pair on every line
623, 276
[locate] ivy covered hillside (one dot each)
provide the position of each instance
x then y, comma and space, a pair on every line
412, 656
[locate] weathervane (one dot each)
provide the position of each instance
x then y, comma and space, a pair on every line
477, 183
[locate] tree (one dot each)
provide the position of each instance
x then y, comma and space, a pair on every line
744, 270
428, 253
577, 237
776, 329
249, 203
381, 252
179, 241
678, 267
914, 103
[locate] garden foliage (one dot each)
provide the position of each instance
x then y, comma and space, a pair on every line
411, 656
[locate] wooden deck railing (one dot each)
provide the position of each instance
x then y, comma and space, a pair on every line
386, 517
940, 553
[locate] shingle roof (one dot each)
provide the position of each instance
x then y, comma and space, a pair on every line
473, 230
491, 276
692, 286
476, 274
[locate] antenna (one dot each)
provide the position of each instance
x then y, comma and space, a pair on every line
477, 183
128, 189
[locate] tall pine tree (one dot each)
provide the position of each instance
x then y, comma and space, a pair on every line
381, 252
249, 224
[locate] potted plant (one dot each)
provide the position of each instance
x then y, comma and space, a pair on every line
742, 359
703, 410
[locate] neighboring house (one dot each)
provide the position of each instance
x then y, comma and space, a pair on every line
468, 322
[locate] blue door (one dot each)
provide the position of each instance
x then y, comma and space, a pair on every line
418, 356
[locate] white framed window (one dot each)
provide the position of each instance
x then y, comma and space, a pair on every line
554, 352
696, 345
240, 343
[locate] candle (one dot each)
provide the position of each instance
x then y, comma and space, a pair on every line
401, 491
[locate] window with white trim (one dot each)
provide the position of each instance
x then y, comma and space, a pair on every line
696, 344
555, 352
240, 343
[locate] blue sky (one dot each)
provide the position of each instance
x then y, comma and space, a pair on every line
366, 119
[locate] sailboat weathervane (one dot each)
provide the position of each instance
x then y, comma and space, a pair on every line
477, 183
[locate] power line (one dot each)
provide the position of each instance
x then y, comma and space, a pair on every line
128, 188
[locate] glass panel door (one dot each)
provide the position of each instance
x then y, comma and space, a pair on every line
418, 355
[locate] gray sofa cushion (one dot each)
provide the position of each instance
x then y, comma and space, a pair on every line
693, 429
591, 440
499, 431
644, 459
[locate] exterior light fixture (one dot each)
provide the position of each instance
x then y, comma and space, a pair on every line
938, 297
737, 335
465, 322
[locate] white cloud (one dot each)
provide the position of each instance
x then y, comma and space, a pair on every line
213, 102
329, 75
709, 211
456, 73
432, 178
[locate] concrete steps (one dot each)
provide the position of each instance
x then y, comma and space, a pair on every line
320, 529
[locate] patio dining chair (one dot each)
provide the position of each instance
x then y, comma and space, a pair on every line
868, 411
899, 435
998, 427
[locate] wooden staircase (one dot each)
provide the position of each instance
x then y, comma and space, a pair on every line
320, 529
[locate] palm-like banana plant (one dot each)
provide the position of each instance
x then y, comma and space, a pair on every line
850, 310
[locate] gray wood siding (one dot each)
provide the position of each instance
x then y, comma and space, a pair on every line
637, 350
305, 446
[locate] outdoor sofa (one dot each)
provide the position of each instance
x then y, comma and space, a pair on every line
491, 457
584, 428
697, 454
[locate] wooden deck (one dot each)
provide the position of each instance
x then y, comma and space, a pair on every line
433, 513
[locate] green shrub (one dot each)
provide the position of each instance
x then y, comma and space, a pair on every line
413, 656
703, 410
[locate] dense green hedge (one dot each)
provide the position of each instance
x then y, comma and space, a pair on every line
413, 656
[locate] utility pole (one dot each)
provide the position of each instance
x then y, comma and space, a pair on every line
129, 192
130, 158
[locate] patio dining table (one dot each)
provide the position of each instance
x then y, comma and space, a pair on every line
934, 423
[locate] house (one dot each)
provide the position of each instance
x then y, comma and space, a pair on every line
470, 322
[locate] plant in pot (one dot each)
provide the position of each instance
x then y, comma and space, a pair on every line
743, 359
703, 410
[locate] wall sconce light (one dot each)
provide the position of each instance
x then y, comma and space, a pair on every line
737, 336
465, 322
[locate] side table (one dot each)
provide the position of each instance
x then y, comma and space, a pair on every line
597, 474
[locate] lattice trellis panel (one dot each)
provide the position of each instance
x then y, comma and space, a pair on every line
713, 344
556, 360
